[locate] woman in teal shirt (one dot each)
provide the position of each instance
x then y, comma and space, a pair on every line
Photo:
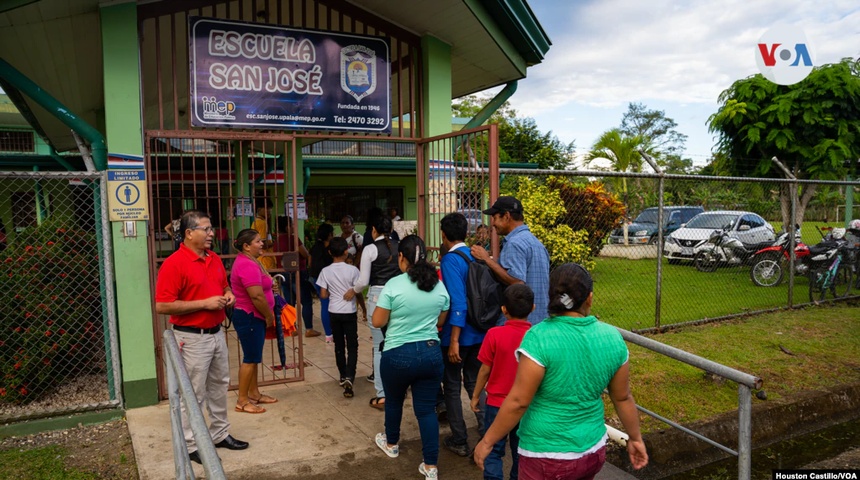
410, 309
566, 362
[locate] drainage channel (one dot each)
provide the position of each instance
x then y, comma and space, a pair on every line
793, 453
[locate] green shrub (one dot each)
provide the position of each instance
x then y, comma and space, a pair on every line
590, 208
544, 211
51, 310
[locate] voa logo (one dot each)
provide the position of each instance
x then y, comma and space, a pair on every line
783, 55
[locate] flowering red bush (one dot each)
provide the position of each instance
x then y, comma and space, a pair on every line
590, 207
49, 282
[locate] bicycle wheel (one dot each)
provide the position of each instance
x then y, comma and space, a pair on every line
816, 282
841, 284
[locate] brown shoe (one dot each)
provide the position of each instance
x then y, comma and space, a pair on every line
312, 333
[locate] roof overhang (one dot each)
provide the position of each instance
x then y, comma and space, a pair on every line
57, 44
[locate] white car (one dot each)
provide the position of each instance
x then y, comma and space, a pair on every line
747, 227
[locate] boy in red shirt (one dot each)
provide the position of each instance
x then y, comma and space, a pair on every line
498, 370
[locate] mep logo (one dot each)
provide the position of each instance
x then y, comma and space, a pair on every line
783, 55
217, 109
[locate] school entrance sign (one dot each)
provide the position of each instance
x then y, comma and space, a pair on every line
247, 75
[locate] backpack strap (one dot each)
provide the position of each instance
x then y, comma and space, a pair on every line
462, 255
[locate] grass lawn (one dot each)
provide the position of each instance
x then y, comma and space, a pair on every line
38, 464
625, 292
823, 341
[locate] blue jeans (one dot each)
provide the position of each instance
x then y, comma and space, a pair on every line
324, 314
252, 335
493, 468
417, 365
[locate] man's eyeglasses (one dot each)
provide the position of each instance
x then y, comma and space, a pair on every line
205, 229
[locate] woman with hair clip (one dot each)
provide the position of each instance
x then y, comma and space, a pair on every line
565, 363
378, 266
411, 307
255, 300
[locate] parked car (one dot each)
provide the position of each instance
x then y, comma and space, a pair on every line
475, 218
643, 230
747, 227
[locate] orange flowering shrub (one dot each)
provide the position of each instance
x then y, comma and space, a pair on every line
590, 207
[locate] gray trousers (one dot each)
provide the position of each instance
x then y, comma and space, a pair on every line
376, 333
206, 359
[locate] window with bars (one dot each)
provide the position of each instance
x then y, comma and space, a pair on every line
17, 141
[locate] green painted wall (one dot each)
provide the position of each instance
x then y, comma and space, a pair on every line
437, 107
131, 259
436, 56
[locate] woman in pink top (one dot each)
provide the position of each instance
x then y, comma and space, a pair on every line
255, 301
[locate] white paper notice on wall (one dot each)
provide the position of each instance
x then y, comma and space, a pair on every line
301, 207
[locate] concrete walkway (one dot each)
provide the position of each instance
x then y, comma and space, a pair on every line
312, 432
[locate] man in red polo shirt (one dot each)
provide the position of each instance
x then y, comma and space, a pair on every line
192, 288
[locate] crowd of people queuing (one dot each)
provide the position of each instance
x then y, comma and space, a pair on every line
534, 382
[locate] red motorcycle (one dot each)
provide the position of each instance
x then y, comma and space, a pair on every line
768, 264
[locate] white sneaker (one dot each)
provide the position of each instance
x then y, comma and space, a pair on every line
429, 473
382, 443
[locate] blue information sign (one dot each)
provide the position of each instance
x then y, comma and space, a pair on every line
253, 75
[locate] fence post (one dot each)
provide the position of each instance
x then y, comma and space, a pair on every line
100, 195
792, 243
792, 192
660, 203
180, 450
495, 180
744, 432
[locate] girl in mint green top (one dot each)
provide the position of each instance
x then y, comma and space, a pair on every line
565, 364
414, 312
411, 307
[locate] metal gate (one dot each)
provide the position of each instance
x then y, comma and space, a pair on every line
228, 179
59, 351
457, 172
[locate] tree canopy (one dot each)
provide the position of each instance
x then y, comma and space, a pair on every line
655, 128
813, 127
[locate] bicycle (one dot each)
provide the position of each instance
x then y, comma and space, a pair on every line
830, 273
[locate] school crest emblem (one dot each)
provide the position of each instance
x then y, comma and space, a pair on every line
358, 71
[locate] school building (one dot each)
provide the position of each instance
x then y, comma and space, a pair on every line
117, 116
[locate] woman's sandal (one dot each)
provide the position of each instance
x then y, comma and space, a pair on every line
377, 403
249, 407
263, 399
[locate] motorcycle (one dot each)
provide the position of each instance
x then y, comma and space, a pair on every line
768, 264
722, 249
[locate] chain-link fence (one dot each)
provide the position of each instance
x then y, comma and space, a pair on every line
718, 247
58, 342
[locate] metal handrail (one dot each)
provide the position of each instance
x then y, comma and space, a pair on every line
179, 386
745, 381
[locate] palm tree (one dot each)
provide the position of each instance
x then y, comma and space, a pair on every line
622, 152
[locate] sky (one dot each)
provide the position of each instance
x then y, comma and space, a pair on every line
669, 55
